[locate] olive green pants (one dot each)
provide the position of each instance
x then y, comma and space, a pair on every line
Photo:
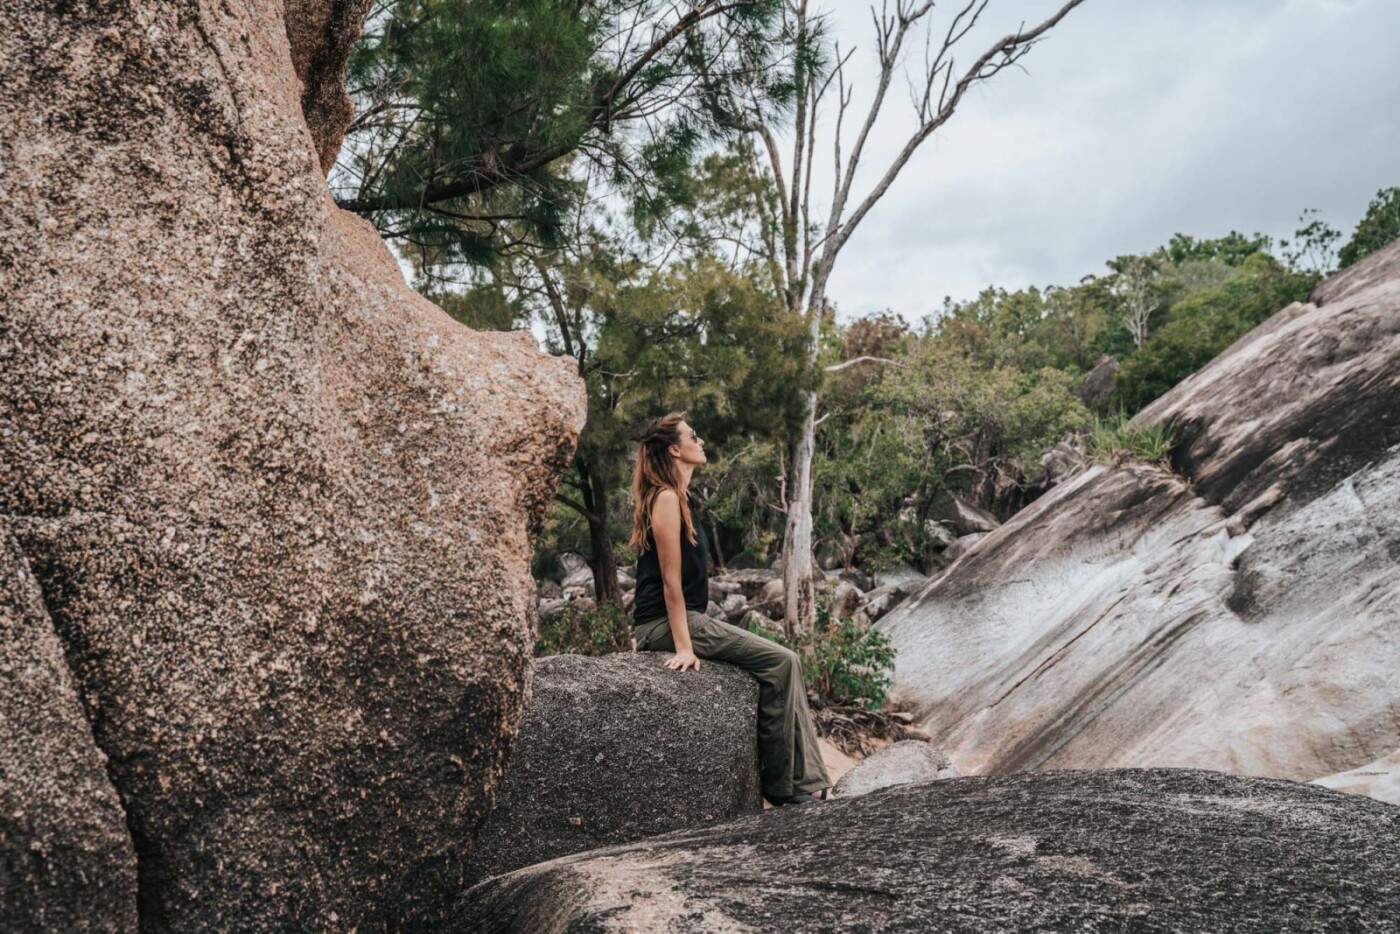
790, 761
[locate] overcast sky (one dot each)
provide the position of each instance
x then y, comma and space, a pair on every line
1135, 119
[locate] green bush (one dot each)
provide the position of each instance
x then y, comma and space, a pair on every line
1112, 439
845, 663
1198, 328
585, 629
1379, 227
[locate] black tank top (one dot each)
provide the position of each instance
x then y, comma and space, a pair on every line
695, 576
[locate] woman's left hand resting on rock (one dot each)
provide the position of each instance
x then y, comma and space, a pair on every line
683, 659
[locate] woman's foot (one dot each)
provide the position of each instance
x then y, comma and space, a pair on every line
802, 797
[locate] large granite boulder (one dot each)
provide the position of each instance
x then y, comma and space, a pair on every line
279, 507
616, 748
1150, 850
66, 860
1240, 611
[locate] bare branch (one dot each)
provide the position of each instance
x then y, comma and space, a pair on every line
838, 367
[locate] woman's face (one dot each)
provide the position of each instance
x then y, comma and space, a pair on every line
691, 449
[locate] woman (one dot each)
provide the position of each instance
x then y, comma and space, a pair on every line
673, 590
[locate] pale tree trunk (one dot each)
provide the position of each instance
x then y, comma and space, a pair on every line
799, 591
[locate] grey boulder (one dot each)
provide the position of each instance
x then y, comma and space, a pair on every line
615, 748
900, 763
1151, 850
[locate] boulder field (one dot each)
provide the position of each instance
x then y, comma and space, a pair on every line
277, 508
1236, 610
1139, 850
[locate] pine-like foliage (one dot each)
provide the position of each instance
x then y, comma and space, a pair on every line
476, 118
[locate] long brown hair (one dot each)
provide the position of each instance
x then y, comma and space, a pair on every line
656, 471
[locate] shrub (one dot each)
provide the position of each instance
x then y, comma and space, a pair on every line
1380, 226
584, 629
845, 664
1112, 439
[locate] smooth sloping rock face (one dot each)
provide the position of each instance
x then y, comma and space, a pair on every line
279, 506
1246, 622
1300, 402
1159, 850
1379, 779
66, 861
901, 763
616, 748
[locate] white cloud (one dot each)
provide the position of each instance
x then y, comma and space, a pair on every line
1136, 120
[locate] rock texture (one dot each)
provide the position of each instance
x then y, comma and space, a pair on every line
66, 862
1087, 851
616, 748
279, 506
320, 34
900, 763
1239, 612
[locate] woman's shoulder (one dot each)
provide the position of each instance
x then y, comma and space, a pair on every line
666, 510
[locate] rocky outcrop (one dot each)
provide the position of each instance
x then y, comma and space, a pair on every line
615, 748
279, 507
1096, 387
66, 862
902, 763
1238, 612
963, 517
1162, 850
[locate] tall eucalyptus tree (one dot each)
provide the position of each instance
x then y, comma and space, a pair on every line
804, 236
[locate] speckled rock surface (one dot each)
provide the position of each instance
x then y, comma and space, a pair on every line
616, 748
320, 34
900, 763
1149, 850
279, 506
1239, 613
66, 862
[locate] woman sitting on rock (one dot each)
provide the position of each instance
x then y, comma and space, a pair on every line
673, 590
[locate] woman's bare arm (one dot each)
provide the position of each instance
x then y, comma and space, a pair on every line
666, 530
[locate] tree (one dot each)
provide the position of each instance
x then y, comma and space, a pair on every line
467, 110
1380, 226
1314, 245
1138, 282
803, 242
1200, 326
694, 335
1232, 249
902, 438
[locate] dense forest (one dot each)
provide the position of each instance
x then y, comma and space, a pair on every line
603, 175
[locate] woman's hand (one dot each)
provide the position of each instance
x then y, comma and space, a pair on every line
682, 660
